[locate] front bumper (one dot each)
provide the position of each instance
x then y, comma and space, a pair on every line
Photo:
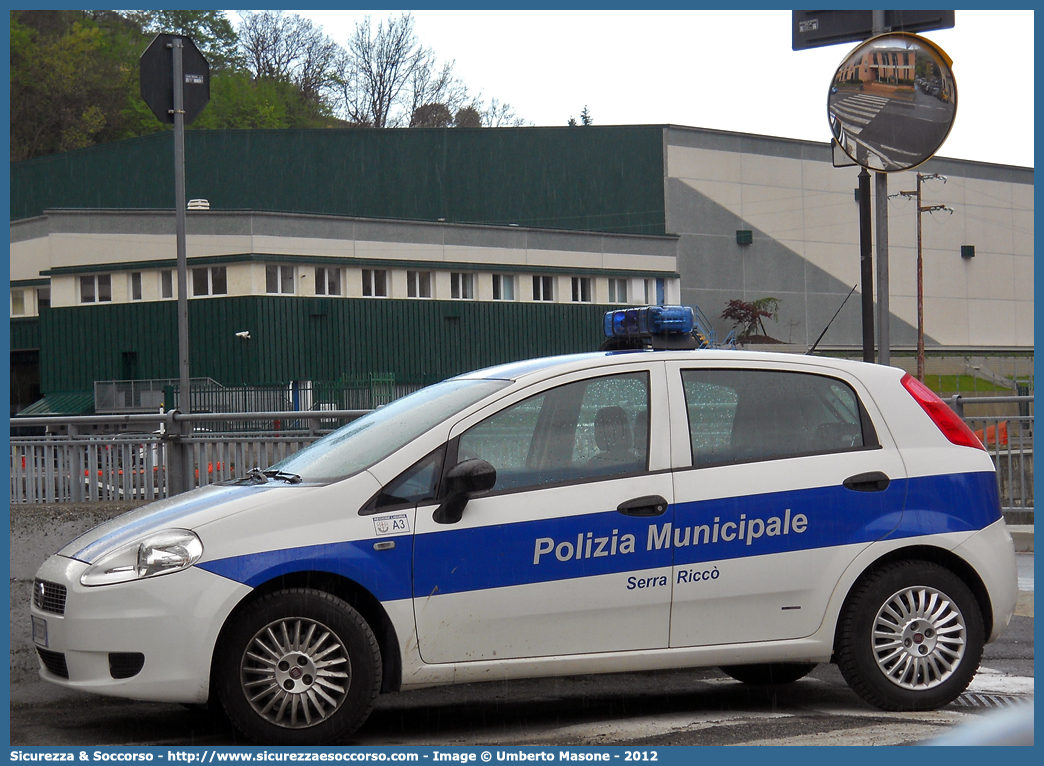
173, 620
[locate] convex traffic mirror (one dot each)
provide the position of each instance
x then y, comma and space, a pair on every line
892, 102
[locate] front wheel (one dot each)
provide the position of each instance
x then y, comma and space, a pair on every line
298, 667
770, 673
910, 637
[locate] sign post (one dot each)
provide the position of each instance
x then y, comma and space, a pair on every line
167, 65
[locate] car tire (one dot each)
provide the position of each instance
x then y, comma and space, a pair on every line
910, 637
298, 667
769, 673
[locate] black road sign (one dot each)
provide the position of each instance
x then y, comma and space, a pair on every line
157, 78
814, 29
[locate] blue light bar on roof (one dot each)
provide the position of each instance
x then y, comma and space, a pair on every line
648, 321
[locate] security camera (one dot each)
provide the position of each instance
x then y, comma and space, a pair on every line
245, 334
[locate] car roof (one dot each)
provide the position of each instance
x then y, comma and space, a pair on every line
545, 366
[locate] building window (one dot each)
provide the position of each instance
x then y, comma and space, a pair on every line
581, 289
279, 279
375, 283
543, 288
43, 298
166, 284
462, 286
418, 284
17, 303
327, 281
209, 281
654, 292
135, 286
96, 289
618, 291
503, 287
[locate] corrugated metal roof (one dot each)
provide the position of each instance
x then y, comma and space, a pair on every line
61, 403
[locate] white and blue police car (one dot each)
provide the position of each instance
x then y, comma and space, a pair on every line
602, 512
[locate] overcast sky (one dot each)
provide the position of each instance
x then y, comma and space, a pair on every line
729, 70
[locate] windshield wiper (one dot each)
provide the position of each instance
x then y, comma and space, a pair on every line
255, 476
289, 478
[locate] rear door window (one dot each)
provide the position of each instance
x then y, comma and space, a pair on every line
746, 415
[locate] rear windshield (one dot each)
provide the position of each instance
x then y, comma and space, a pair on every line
373, 437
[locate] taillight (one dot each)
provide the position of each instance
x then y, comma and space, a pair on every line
953, 427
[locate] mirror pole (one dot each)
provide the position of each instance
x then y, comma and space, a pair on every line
866, 266
884, 350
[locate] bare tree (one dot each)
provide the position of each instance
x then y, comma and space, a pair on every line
430, 85
290, 48
376, 68
501, 115
316, 71
388, 79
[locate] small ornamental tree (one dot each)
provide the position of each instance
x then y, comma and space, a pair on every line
751, 316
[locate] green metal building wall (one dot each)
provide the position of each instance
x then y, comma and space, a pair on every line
582, 178
317, 339
25, 334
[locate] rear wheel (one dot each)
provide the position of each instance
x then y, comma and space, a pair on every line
770, 672
298, 667
910, 637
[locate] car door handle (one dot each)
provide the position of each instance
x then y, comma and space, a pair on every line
650, 505
875, 481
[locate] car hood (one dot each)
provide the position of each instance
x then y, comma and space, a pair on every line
186, 511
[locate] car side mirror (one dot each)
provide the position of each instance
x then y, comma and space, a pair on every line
463, 480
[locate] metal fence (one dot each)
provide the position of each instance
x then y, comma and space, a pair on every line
1009, 440
348, 392
134, 466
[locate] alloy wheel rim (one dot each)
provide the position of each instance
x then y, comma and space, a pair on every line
295, 673
919, 638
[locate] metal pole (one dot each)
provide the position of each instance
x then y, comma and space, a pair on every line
884, 351
866, 266
920, 290
184, 477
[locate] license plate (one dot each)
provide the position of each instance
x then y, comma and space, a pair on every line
39, 631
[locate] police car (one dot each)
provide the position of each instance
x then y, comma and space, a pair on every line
614, 511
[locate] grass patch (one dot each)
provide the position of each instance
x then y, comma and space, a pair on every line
961, 384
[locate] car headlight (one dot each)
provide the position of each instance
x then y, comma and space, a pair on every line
159, 553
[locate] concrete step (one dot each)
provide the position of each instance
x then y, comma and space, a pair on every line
1022, 535
1018, 516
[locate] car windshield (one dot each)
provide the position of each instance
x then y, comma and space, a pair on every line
373, 437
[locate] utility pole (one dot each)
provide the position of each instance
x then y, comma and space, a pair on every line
921, 209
